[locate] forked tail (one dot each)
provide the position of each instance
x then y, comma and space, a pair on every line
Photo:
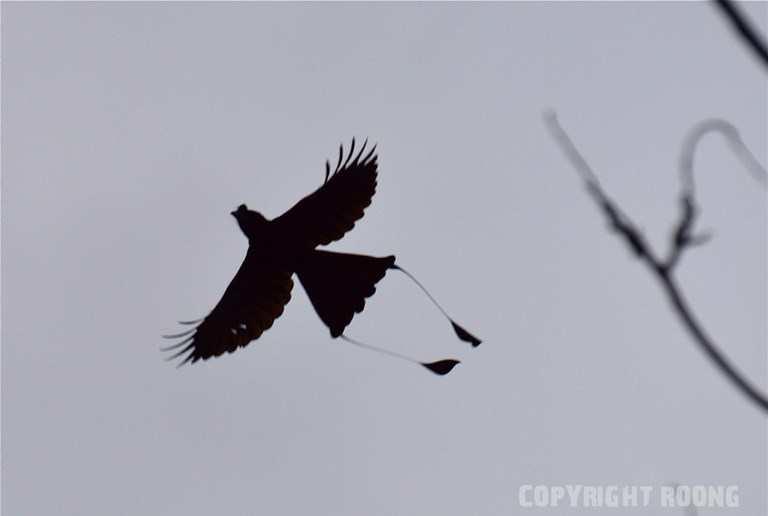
338, 285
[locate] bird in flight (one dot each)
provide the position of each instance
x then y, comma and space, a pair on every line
337, 284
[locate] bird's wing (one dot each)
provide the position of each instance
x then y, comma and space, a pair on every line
255, 297
330, 211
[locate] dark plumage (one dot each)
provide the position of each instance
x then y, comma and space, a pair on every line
337, 284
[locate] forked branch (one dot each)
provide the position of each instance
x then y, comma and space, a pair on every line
683, 236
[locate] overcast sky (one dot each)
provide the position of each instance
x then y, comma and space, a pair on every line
130, 131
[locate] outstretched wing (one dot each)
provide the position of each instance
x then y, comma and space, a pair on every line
255, 297
330, 211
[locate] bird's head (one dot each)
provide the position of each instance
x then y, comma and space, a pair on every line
250, 221
240, 211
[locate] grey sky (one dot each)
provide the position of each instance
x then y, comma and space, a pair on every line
130, 131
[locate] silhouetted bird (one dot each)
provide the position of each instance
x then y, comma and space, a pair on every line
337, 284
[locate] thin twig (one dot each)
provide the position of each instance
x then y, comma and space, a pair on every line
708, 346
748, 33
732, 137
682, 237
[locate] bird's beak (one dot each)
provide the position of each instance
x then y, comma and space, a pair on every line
232, 213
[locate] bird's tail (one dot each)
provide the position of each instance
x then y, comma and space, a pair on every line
461, 333
338, 284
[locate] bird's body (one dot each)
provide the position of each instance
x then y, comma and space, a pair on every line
337, 284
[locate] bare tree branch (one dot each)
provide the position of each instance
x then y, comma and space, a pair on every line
682, 236
732, 137
748, 33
